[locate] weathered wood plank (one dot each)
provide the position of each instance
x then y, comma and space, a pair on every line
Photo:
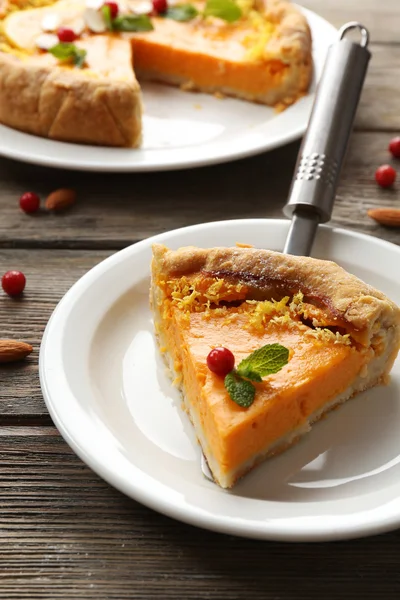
115, 210
382, 20
66, 534
49, 273
378, 107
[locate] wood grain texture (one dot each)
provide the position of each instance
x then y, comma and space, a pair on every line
66, 534
49, 273
115, 210
379, 107
382, 20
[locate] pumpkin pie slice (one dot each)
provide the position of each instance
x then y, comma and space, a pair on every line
341, 335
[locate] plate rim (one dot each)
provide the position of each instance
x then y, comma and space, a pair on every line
221, 157
187, 513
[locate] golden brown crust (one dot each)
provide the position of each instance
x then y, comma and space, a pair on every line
293, 45
364, 309
293, 39
68, 104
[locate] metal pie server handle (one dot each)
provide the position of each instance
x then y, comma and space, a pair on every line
323, 148
324, 145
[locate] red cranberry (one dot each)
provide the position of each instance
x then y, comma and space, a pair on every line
13, 283
160, 6
29, 202
394, 147
220, 361
66, 35
114, 9
385, 176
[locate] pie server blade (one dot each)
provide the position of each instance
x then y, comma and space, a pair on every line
316, 176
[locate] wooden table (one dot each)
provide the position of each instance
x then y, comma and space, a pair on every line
65, 533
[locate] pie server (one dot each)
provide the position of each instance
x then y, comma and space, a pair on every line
324, 145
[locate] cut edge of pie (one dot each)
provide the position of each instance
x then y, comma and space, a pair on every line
345, 337
277, 71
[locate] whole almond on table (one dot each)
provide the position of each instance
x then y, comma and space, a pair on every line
385, 216
60, 199
12, 350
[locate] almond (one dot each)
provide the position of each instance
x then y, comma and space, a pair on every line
386, 216
12, 350
95, 21
45, 41
60, 199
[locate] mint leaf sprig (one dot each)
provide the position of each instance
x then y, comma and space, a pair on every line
227, 10
267, 360
132, 23
181, 12
108, 20
264, 361
126, 22
240, 390
67, 52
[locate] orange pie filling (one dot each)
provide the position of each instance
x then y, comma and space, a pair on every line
264, 56
198, 314
175, 65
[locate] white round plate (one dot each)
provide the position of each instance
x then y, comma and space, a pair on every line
184, 130
107, 391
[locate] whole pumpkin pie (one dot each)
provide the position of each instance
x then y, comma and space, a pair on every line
83, 88
340, 336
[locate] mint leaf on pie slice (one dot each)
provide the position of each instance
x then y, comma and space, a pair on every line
181, 12
240, 390
227, 10
66, 52
106, 12
264, 361
132, 23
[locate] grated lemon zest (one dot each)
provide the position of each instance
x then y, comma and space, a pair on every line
246, 6
256, 41
296, 304
230, 319
266, 308
285, 319
213, 292
187, 297
326, 335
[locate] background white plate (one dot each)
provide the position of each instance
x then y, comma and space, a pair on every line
107, 391
184, 130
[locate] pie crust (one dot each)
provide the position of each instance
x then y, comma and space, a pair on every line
68, 104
